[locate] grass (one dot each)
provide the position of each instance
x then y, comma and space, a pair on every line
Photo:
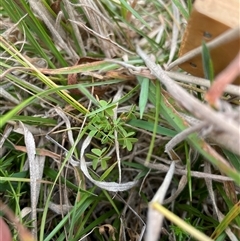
71, 92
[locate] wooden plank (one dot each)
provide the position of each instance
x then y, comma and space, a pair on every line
209, 19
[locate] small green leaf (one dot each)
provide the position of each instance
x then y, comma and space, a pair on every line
106, 139
90, 156
133, 140
130, 134
92, 133
94, 163
109, 111
125, 4
104, 149
128, 145
106, 158
103, 103
122, 131
103, 164
107, 128
96, 151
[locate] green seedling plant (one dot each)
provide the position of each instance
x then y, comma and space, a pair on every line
126, 139
180, 234
98, 156
103, 126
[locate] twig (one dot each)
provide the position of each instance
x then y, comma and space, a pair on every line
183, 135
164, 168
142, 71
214, 136
231, 89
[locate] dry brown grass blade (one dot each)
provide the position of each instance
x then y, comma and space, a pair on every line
231, 89
40, 152
110, 186
142, 71
164, 168
175, 33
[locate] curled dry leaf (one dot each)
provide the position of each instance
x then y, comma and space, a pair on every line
55, 6
109, 186
111, 230
36, 170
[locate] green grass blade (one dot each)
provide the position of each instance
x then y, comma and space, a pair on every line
233, 158
189, 3
32, 24
188, 164
158, 96
69, 99
181, 9
134, 13
143, 98
207, 63
148, 126
9, 115
232, 214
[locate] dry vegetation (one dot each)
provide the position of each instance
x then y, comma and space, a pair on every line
91, 127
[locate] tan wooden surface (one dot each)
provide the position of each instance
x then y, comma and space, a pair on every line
209, 19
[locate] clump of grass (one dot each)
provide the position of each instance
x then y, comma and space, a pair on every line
70, 71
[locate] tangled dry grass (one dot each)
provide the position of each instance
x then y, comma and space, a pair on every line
91, 127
